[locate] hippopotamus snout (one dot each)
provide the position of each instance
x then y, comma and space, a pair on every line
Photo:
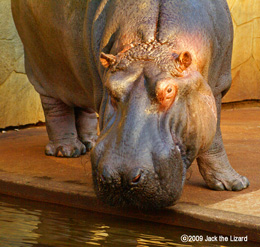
151, 178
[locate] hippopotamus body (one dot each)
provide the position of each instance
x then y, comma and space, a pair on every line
154, 70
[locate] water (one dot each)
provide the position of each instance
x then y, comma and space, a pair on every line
25, 223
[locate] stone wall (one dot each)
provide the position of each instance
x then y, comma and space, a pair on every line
246, 50
20, 104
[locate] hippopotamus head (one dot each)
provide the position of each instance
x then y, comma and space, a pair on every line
157, 114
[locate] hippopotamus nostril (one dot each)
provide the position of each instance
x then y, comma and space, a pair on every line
135, 177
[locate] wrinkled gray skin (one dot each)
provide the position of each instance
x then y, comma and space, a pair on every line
119, 59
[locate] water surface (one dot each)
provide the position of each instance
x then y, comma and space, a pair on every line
25, 223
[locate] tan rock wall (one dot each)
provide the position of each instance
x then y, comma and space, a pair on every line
19, 103
246, 50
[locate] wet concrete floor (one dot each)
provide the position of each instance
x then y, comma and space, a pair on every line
26, 172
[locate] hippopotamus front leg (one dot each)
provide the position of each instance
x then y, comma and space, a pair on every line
61, 128
215, 167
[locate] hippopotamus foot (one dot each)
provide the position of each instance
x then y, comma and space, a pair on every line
68, 128
86, 124
217, 171
68, 148
219, 175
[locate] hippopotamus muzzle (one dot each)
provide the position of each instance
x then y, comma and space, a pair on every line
154, 179
140, 173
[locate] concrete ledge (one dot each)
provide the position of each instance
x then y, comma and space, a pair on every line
27, 173
182, 214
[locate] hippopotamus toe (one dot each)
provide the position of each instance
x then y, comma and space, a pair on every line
240, 184
89, 141
60, 149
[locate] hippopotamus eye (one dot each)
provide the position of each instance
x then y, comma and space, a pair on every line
166, 92
169, 90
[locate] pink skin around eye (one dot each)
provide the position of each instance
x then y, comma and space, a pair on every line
166, 92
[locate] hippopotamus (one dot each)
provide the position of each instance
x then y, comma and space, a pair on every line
153, 71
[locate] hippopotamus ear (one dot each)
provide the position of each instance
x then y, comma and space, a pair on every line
184, 60
107, 59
